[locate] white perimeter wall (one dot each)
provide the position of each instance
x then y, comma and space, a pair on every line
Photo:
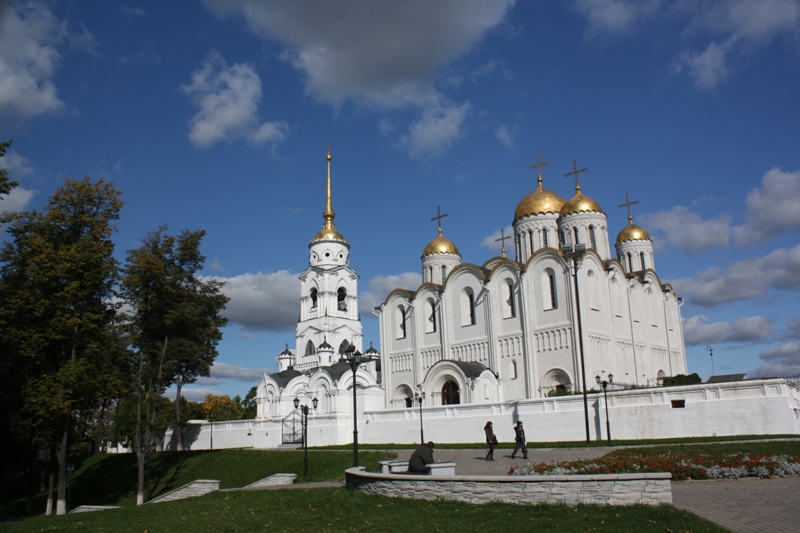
753, 407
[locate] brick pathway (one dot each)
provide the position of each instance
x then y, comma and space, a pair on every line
743, 505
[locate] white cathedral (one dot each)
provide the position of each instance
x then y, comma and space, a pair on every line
508, 339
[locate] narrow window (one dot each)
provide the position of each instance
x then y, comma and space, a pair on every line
430, 326
511, 311
341, 295
544, 238
343, 347
313, 295
641, 258
552, 280
530, 239
592, 238
471, 308
310, 349
575, 231
513, 369
630, 263
400, 320
444, 273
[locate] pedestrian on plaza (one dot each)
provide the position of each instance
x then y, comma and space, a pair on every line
491, 440
519, 438
421, 457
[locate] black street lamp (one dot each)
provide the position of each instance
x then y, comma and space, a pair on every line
211, 421
605, 385
576, 254
354, 358
304, 423
710, 350
419, 395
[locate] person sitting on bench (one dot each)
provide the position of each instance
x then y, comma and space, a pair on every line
421, 457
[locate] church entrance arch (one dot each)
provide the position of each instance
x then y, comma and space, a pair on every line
556, 382
450, 393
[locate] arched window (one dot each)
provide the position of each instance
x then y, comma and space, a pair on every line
545, 244
513, 369
450, 394
530, 239
430, 323
310, 349
400, 321
549, 296
562, 236
575, 232
313, 295
630, 263
343, 347
467, 307
510, 309
341, 294
592, 239
444, 273
641, 258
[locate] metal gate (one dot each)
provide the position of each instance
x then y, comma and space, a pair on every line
292, 428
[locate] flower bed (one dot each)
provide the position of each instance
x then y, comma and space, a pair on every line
681, 465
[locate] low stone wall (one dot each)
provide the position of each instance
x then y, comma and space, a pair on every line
606, 489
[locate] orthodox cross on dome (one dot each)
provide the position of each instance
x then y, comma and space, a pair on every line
503, 235
439, 216
538, 166
628, 204
575, 173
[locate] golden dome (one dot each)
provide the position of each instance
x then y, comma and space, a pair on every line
329, 234
539, 201
580, 204
632, 232
440, 245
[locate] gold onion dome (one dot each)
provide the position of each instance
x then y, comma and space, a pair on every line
328, 231
539, 201
580, 204
632, 232
440, 245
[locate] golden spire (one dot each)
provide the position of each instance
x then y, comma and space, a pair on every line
329, 215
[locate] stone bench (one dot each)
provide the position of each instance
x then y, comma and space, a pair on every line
434, 469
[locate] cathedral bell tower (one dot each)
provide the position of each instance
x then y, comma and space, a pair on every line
328, 295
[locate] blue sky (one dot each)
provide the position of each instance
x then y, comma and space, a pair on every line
216, 114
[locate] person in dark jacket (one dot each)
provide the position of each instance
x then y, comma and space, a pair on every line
421, 457
519, 438
491, 440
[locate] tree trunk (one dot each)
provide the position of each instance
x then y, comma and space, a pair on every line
138, 437
178, 432
48, 509
61, 454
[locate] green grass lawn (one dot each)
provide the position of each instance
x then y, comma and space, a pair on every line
334, 510
111, 479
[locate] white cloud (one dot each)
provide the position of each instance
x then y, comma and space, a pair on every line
381, 286
779, 361
504, 135
746, 329
237, 373
728, 32
228, 98
263, 301
771, 208
435, 130
614, 16
16, 201
29, 34
687, 231
491, 242
18, 168
378, 54
744, 279
792, 329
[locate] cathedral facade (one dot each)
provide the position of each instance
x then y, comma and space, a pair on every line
561, 311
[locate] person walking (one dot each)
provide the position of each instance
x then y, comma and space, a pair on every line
519, 438
491, 440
